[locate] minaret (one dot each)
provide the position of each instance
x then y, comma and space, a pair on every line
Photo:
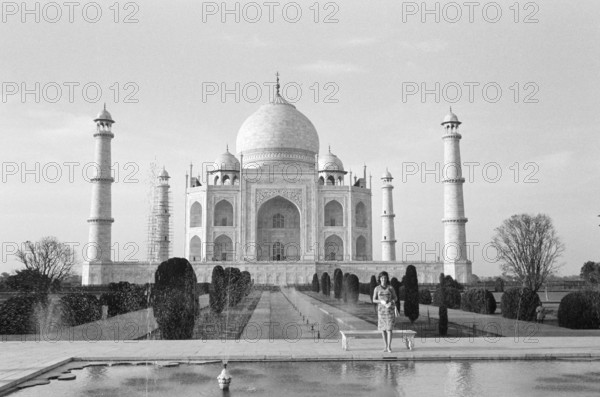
456, 263
388, 244
162, 214
100, 220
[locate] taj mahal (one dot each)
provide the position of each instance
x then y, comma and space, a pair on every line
277, 208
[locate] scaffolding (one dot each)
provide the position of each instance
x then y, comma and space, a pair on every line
160, 220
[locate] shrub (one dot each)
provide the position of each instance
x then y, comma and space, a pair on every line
217, 290
123, 298
425, 297
175, 299
78, 308
232, 288
246, 282
580, 310
449, 282
401, 293
411, 285
396, 286
372, 285
17, 315
352, 288
499, 285
520, 303
315, 283
338, 279
443, 322
443, 309
451, 297
325, 284
478, 300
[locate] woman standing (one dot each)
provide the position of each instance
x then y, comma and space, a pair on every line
386, 298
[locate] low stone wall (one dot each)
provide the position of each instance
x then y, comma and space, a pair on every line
269, 273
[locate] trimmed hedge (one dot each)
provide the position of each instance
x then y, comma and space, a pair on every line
315, 283
352, 288
425, 297
77, 309
411, 286
580, 310
17, 315
175, 299
521, 303
372, 285
325, 284
395, 284
478, 300
451, 297
338, 279
123, 298
216, 297
345, 287
443, 323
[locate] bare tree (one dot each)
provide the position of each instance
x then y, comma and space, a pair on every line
529, 247
48, 256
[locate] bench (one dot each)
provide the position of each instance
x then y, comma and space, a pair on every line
407, 336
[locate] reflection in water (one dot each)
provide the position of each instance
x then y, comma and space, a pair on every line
332, 379
460, 380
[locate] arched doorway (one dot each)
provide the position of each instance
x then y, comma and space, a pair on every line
334, 248
196, 215
223, 250
361, 215
223, 213
334, 214
195, 249
361, 248
278, 231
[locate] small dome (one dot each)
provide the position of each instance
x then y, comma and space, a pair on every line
330, 162
164, 174
227, 162
104, 115
451, 118
387, 175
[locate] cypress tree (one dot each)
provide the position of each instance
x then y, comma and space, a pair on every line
443, 310
315, 283
217, 290
337, 283
325, 284
411, 287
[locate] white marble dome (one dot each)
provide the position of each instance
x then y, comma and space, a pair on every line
227, 162
330, 162
277, 126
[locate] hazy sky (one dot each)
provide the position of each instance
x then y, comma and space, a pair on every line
541, 129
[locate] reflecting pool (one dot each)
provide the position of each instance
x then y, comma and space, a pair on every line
327, 379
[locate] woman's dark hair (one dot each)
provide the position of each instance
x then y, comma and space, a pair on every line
384, 273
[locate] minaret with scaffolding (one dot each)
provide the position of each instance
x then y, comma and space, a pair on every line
159, 228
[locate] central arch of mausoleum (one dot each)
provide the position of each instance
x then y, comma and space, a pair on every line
278, 233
